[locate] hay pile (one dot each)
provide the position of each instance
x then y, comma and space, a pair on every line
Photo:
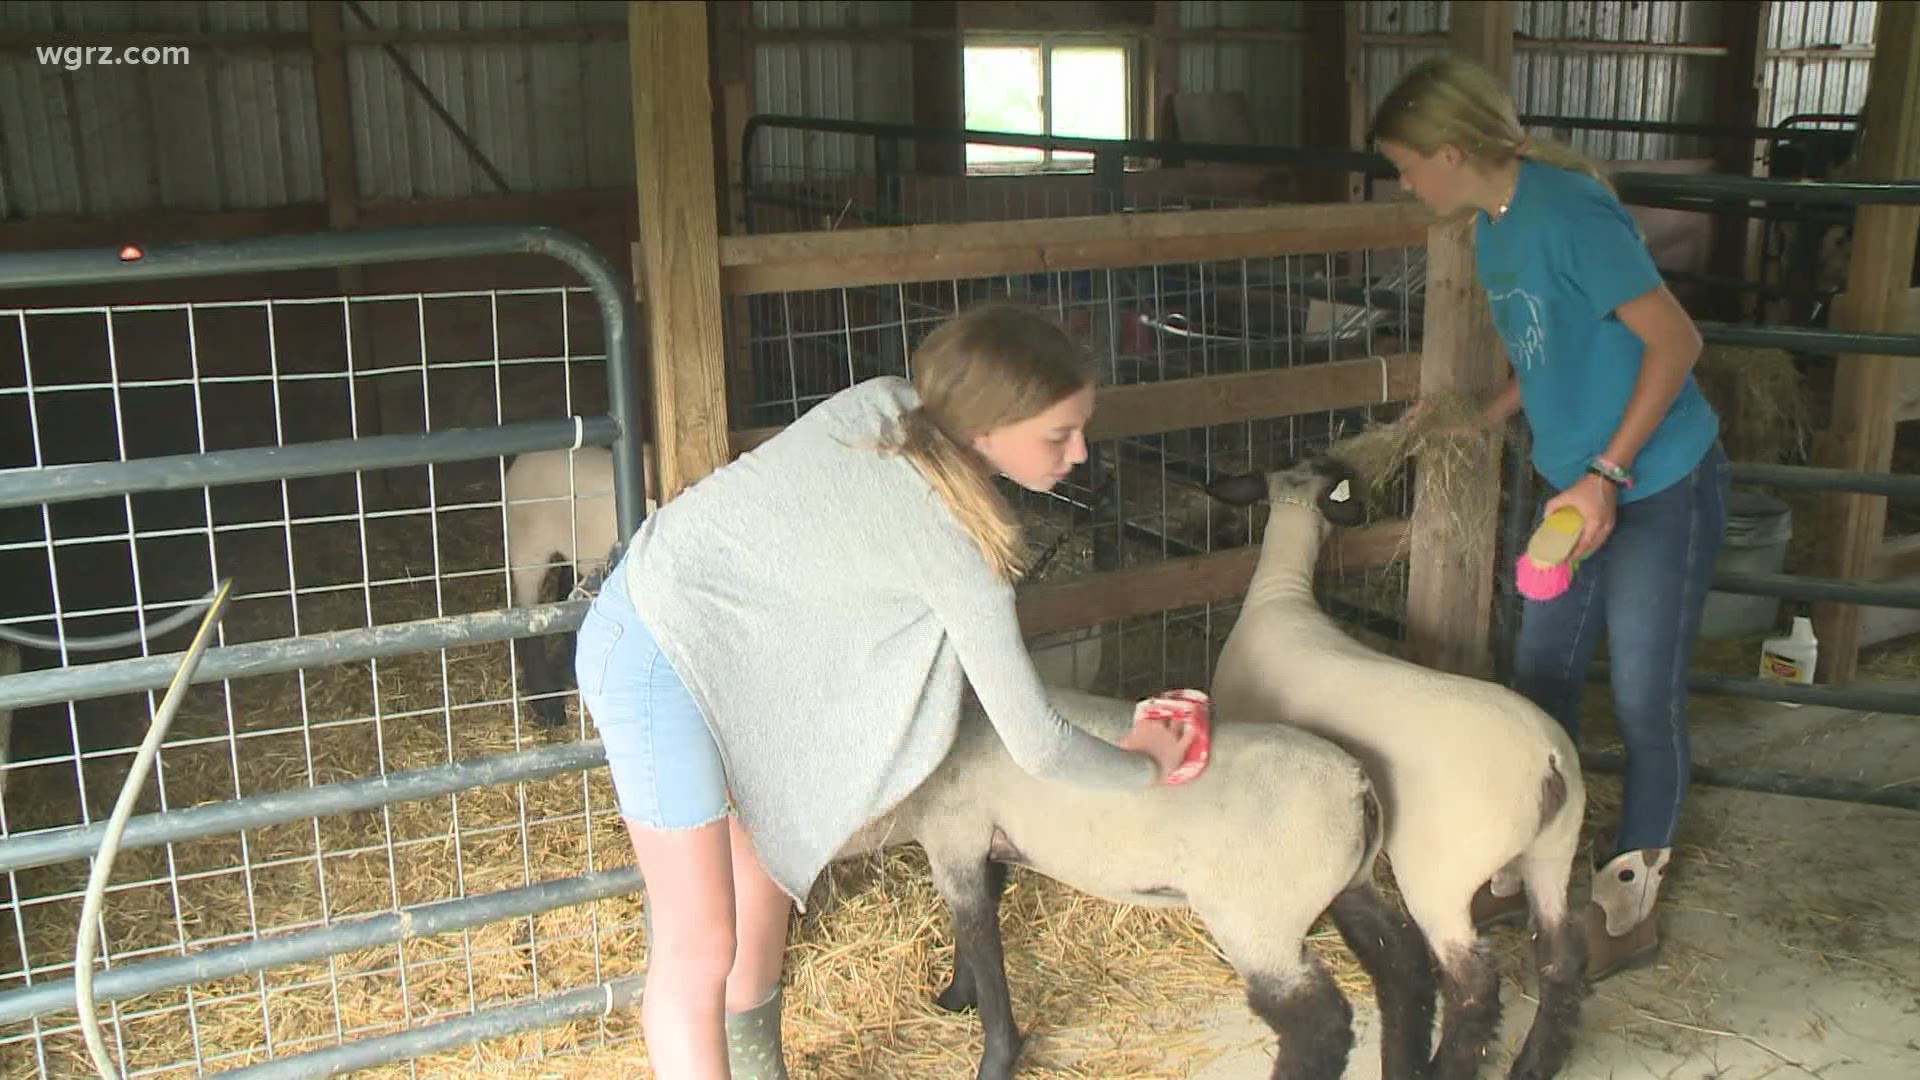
1449, 450
1762, 401
1089, 978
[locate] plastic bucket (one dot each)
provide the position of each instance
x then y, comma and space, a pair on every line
1758, 529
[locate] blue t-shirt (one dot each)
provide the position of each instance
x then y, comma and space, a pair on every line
1555, 267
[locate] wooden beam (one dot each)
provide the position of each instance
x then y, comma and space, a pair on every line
1123, 412
1737, 104
939, 88
676, 257
1163, 66
1878, 279
883, 256
1186, 582
289, 40
1484, 31
1450, 591
1334, 116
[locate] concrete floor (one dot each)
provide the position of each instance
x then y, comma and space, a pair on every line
1791, 929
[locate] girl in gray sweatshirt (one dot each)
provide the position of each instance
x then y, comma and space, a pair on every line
780, 654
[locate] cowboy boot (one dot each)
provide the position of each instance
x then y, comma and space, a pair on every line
753, 1042
1622, 926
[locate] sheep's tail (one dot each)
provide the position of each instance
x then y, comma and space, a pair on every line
1373, 834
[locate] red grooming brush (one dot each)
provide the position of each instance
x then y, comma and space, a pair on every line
1192, 709
1546, 569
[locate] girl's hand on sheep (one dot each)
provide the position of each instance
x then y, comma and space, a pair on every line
1174, 730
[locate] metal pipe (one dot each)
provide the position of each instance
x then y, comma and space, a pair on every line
1671, 127
330, 250
1795, 587
584, 1003
426, 920
1809, 478
138, 674
1630, 185
24, 852
1900, 796
1861, 699
303, 251
1823, 193
330, 457
1822, 342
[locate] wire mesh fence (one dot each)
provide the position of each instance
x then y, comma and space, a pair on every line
308, 557
1138, 500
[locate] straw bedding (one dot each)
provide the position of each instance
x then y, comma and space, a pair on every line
1090, 979
1448, 449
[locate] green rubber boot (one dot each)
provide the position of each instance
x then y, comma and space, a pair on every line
753, 1042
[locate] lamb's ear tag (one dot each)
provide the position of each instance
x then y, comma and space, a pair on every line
1341, 493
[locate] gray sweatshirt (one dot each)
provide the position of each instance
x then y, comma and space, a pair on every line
826, 612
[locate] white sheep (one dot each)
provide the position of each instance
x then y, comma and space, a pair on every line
1476, 781
560, 522
1281, 827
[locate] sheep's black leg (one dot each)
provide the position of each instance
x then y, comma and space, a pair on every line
534, 655
964, 884
1560, 956
1471, 987
960, 995
1311, 1016
1393, 952
537, 677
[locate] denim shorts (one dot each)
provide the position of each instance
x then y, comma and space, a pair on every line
667, 770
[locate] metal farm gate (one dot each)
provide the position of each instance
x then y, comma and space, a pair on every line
352, 800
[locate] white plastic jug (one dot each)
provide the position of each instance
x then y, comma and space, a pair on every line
1790, 660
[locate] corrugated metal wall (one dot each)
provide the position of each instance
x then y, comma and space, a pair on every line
1817, 84
1267, 72
237, 128
828, 80
548, 116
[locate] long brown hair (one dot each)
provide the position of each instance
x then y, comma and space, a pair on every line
1452, 100
990, 366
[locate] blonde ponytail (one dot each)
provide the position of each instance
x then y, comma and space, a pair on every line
1561, 156
964, 483
1450, 100
988, 367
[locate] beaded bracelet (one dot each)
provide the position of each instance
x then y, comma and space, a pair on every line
1607, 470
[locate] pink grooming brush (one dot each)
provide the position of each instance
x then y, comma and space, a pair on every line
1546, 569
1192, 709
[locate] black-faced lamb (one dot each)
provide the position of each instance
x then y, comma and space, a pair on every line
560, 528
1476, 782
1281, 827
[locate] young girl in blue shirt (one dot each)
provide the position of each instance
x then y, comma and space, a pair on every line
1602, 362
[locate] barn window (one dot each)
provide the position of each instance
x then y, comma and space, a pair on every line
1044, 88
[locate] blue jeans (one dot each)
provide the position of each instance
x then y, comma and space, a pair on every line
667, 771
1646, 588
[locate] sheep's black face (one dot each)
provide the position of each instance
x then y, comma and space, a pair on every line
1243, 489
1338, 493
1323, 483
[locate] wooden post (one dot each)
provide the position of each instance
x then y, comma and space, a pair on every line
1163, 66
677, 257
1878, 280
939, 97
1336, 87
1737, 104
1450, 593
731, 24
